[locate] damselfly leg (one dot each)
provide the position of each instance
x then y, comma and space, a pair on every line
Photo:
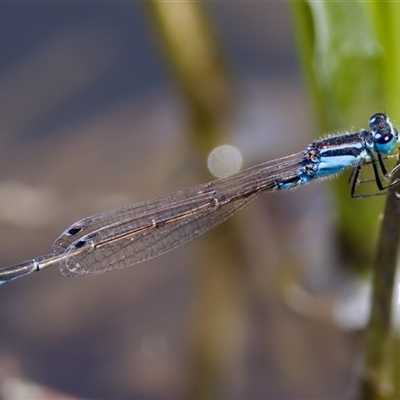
381, 174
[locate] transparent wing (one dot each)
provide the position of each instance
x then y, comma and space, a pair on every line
135, 233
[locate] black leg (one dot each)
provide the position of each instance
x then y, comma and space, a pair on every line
353, 181
376, 170
377, 164
383, 166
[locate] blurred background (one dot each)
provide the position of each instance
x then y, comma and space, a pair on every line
107, 104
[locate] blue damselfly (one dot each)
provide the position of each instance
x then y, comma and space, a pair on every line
132, 234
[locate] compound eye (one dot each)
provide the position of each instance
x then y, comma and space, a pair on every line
378, 121
383, 139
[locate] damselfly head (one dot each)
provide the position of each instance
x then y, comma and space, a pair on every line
385, 135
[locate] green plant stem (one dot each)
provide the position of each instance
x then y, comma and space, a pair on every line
378, 375
188, 40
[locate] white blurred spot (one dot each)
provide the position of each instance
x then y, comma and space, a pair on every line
103, 202
154, 346
398, 294
351, 309
396, 301
26, 206
224, 161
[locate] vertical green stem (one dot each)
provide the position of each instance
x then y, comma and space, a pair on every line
187, 38
378, 378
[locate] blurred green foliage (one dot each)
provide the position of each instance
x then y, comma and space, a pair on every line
349, 53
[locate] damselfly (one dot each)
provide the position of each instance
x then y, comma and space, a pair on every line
132, 234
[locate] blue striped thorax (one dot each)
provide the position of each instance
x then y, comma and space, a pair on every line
330, 156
